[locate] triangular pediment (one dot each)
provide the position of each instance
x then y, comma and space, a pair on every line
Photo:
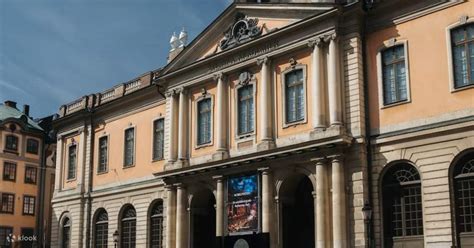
239, 24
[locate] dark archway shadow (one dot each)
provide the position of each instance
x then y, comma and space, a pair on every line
203, 219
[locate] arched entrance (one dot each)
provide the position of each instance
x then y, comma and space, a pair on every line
203, 219
297, 212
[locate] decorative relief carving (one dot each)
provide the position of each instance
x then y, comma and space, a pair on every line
245, 77
319, 41
242, 30
264, 60
463, 19
218, 76
331, 37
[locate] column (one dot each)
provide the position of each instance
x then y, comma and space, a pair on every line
317, 88
334, 84
268, 220
170, 217
181, 218
219, 206
182, 125
265, 113
173, 127
338, 203
320, 206
222, 116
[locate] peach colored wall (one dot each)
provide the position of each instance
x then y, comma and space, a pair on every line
428, 68
71, 183
280, 65
115, 130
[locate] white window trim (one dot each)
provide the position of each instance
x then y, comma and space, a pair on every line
98, 154
450, 28
196, 126
67, 161
160, 117
124, 166
287, 124
389, 44
39, 145
250, 135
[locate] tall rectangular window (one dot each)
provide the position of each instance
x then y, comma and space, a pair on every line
4, 233
462, 40
245, 109
28, 235
30, 175
11, 143
9, 171
129, 147
32, 146
204, 121
8, 203
294, 96
394, 75
103, 154
72, 161
158, 139
29, 205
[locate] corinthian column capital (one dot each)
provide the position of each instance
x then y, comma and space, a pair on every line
264, 60
319, 41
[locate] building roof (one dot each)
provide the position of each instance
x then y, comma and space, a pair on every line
7, 112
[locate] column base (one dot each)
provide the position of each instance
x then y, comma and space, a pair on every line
220, 155
266, 145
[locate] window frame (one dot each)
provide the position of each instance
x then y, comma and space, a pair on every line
68, 179
387, 45
239, 136
123, 220
4, 169
202, 97
283, 76
463, 20
34, 205
106, 136
37, 146
1, 203
6, 149
152, 217
134, 157
6, 228
160, 118
62, 225
97, 222
27, 167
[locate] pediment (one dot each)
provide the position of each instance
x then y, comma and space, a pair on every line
239, 24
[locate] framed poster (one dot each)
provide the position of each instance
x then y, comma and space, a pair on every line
242, 208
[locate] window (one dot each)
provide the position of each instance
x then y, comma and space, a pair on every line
7, 203
294, 96
28, 235
156, 225
204, 121
158, 139
32, 146
462, 39
66, 233
394, 75
402, 206
103, 154
464, 196
245, 109
101, 229
11, 143
9, 171
28, 205
5, 235
129, 226
30, 175
71, 170
129, 147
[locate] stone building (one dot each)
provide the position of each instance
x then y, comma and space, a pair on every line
274, 127
27, 169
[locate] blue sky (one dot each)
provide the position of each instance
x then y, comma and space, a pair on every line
55, 51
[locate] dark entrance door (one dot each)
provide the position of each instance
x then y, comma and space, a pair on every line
203, 217
298, 214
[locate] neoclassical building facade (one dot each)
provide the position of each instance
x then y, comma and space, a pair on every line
276, 127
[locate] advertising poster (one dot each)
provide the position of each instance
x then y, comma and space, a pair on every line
242, 210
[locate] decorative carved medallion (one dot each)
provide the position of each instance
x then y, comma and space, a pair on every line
244, 78
242, 30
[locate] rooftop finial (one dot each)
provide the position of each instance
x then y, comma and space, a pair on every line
183, 38
174, 42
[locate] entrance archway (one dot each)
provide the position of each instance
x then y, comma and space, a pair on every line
297, 212
203, 219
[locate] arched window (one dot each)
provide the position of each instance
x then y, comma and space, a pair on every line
66, 233
156, 225
464, 198
402, 206
129, 228
101, 229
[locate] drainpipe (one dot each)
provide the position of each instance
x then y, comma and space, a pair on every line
40, 233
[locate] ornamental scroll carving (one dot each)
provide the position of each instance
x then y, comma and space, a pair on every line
242, 30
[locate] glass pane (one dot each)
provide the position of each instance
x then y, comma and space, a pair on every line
470, 31
471, 62
401, 82
460, 65
457, 35
388, 84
